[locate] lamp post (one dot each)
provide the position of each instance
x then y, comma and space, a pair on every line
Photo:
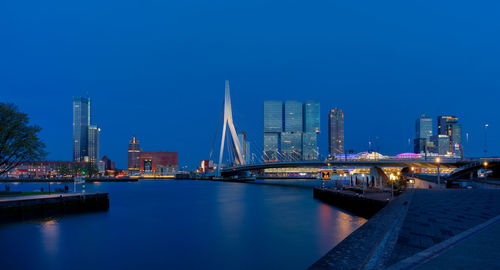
485, 165
485, 139
439, 176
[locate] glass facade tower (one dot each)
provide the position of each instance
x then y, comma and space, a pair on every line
448, 125
81, 122
273, 126
290, 130
293, 116
423, 133
311, 130
93, 143
336, 132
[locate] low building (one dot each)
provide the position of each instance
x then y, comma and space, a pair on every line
162, 163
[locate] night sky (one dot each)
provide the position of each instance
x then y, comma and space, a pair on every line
156, 69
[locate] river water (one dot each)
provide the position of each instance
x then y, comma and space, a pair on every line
181, 225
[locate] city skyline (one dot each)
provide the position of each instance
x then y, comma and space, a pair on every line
164, 84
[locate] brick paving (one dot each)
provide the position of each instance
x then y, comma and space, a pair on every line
429, 217
436, 215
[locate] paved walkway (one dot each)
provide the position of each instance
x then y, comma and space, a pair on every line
34, 197
425, 223
436, 215
478, 251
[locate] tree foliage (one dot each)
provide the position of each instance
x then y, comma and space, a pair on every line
19, 141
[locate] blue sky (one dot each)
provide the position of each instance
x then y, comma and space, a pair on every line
156, 69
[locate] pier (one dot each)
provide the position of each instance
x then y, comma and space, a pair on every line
39, 206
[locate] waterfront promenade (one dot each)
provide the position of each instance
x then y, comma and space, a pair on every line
35, 206
413, 226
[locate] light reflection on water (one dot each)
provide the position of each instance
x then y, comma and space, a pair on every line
182, 225
49, 230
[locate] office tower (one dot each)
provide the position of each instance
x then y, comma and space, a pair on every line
81, 122
293, 117
448, 125
245, 146
309, 146
133, 155
311, 113
312, 116
290, 130
291, 146
93, 144
423, 128
441, 144
273, 126
293, 125
336, 132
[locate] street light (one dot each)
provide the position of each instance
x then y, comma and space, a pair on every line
439, 176
485, 139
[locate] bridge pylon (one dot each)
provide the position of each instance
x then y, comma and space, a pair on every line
228, 122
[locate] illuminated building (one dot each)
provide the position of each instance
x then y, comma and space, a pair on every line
150, 163
81, 122
336, 133
423, 133
291, 146
245, 146
290, 130
273, 126
448, 125
441, 144
93, 144
85, 135
311, 130
161, 163
133, 155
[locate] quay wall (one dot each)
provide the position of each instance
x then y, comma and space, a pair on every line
19, 208
354, 203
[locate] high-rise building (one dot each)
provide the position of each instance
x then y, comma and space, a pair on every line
245, 146
291, 146
311, 130
273, 126
293, 117
133, 155
81, 122
309, 146
441, 144
336, 132
312, 116
423, 128
290, 130
448, 125
85, 135
93, 145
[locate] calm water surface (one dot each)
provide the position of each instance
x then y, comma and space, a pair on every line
181, 225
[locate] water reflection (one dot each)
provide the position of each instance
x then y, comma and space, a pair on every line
50, 236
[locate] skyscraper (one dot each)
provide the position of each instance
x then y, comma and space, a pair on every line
133, 155
273, 126
312, 116
423, 133
448, 125
81, 122
293, 116
290, 130
336, 132
93, 144
311, 130
85, 136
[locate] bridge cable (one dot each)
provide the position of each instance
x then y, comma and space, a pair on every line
216, 130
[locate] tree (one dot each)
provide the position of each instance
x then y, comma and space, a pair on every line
19, 141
